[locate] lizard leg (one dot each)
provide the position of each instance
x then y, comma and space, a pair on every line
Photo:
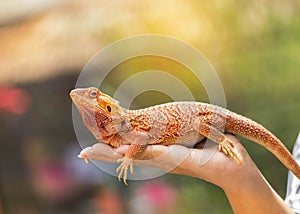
225, 144
123, 168
127, 162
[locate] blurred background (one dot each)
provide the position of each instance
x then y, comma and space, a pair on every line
44, 44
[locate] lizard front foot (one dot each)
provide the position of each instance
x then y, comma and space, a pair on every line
226, 146
123, 168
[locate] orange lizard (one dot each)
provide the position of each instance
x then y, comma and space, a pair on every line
184, 123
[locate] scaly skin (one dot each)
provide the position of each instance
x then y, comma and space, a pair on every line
184, 123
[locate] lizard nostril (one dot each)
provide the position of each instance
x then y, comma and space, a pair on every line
72, 94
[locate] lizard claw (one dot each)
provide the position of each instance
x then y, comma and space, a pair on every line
226, 146
86, 160
123, 168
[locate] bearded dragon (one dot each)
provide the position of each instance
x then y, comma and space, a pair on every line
184, 123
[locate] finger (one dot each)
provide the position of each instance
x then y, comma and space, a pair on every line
154, 151
100, 151
164, 157
122, 149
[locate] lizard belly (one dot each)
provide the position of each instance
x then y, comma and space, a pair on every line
189, 140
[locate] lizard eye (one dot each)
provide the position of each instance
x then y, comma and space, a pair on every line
93, 94
108, 108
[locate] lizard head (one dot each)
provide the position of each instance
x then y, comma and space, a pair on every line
100, 113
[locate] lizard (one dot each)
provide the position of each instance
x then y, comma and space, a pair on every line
184, 123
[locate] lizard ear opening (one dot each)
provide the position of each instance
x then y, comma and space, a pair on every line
108, 108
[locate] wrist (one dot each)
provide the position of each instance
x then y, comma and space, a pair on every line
255, 195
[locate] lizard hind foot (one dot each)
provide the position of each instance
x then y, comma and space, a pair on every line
227, 147
122, 170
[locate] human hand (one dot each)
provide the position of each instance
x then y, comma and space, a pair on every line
181, 160
246, 188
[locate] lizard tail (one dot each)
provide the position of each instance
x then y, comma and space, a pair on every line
253, 131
